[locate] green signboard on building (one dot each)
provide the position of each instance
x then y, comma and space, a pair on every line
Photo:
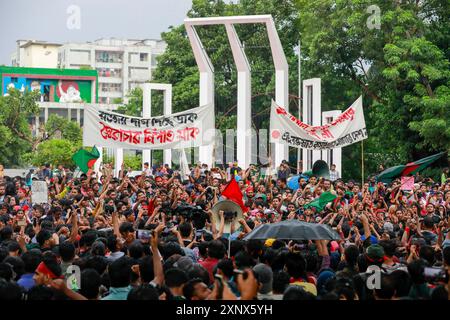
55, 85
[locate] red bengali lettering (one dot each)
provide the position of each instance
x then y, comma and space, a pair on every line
187, 133
130, 136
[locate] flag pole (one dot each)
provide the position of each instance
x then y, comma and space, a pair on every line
269, 168
213, 155
362, 163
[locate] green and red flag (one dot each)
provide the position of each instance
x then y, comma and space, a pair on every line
419, 165
321, 202
85, 160
408, 169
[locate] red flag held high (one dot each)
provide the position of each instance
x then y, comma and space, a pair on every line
233, 193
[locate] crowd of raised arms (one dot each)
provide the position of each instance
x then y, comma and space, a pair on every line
154, 236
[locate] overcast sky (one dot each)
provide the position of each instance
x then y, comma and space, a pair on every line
47, 20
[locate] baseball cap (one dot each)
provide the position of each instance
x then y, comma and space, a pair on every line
269, 242
184, 263
261, 196
264, 275
375, 252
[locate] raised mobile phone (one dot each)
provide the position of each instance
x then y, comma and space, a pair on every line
219, 279
434, 273
244, 273
143, 234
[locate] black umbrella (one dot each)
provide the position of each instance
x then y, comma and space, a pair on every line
293, 230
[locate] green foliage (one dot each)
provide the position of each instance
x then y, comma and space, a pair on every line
16, 138
56, 152
134, 105
157, 157
402, 70
133, 161
62, 140
107, 159
18, 147
64, 128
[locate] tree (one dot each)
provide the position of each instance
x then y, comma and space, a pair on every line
133, 161
64, 128
55, 152
18, 107
134, 105
15, 109
401, 69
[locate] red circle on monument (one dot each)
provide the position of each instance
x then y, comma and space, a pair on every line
275, 134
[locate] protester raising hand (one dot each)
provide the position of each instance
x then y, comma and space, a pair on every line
247, 285
221, 291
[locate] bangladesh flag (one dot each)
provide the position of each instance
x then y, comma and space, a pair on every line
85, 160
409, 169
321, 202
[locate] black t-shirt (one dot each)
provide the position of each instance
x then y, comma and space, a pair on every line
186, 242
235, 170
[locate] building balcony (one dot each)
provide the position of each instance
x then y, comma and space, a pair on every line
140, 64
138, 78
110, 94
109, 80
112, 65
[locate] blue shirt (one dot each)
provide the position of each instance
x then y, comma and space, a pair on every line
118, 293
26, 281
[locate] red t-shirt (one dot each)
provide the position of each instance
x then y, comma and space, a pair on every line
209, 264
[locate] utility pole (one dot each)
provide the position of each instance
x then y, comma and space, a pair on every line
299, 151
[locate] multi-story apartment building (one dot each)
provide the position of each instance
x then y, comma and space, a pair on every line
35, 54
121, 64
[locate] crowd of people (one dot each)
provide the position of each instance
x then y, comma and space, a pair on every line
154, 236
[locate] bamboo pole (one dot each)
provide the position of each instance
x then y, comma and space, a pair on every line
362, 163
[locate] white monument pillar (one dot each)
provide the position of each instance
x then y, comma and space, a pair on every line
244, 105
281, 83
146, 113
206, 82
311, 109
332, 156
244, 82
167, 155
118, 160
98, 163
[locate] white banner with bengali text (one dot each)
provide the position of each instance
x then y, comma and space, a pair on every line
349, 127
175, 131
